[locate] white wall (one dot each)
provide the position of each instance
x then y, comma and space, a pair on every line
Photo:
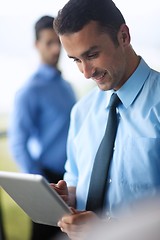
18, 58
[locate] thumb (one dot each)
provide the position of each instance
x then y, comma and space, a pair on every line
62, 184
75, 211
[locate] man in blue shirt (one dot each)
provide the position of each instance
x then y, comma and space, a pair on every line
41, 116
95, 35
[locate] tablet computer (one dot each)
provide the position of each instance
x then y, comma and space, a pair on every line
35, 196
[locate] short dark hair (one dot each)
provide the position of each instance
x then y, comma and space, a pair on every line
78, 13
45, 22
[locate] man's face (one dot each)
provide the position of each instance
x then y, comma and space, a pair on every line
97, 57
48, 46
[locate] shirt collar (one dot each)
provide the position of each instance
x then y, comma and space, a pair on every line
49, 71
128, 92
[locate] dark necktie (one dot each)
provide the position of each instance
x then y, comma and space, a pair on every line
97, 188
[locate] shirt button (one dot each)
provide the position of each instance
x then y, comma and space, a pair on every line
110, 180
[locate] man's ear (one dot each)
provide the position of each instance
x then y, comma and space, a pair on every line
124, 38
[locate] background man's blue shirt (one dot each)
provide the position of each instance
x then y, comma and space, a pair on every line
40, 122
135, 167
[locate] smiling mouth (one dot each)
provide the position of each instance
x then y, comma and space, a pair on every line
100, 77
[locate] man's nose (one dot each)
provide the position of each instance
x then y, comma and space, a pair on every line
87, 69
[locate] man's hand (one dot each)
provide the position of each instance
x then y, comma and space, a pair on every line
66, 193
78, 225
61, 189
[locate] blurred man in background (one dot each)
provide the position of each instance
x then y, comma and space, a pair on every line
41, 115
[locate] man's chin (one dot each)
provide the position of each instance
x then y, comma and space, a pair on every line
104, 87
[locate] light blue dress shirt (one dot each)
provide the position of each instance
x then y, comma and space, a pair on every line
135, 167
40, 121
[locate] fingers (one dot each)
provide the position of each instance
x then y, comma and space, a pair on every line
79, 217
65, 198
78, 224
61, 189
62, 185
74, 232
74, 211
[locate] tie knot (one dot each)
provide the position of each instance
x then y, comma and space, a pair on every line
114, 101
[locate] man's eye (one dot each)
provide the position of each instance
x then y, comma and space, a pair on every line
91, 56
76, 60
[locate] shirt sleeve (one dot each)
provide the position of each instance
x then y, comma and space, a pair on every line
71, 174
22, 125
